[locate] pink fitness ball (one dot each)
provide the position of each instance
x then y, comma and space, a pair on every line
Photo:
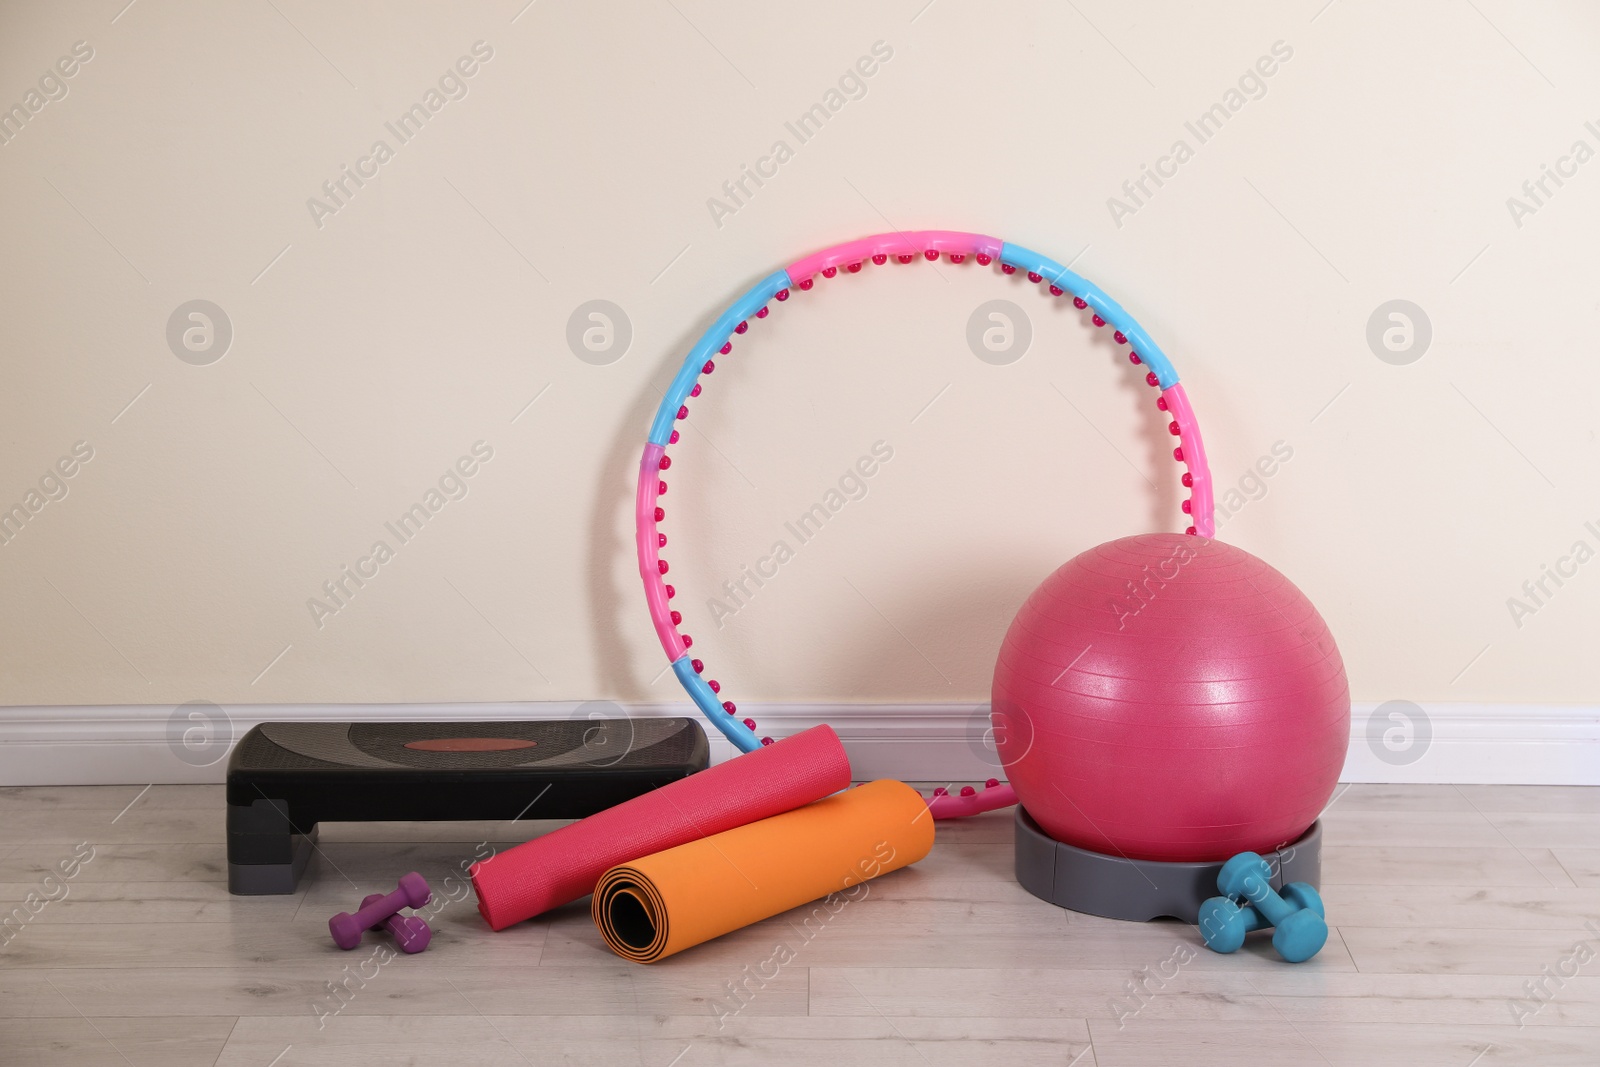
1171, 698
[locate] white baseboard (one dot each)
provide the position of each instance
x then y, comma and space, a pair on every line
140, 744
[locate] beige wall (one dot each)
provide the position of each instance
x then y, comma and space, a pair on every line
426, 313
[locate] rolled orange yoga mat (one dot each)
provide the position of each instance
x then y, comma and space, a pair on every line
662, 904
565, 864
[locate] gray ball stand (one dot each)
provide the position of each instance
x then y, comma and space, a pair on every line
1141, 890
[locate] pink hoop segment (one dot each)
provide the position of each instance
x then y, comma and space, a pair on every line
947, 805
1192, 454
648, 543
915, 243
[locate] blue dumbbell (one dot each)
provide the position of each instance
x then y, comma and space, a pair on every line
1297, 916
1224, 923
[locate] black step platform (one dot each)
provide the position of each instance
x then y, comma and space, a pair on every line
286, 777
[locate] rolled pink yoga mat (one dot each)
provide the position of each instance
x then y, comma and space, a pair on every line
566, 864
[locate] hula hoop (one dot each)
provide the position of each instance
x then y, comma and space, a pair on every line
779, 286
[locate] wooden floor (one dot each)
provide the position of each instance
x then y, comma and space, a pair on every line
1446, 904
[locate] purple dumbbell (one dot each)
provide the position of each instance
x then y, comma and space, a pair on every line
410, 932
347, 929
